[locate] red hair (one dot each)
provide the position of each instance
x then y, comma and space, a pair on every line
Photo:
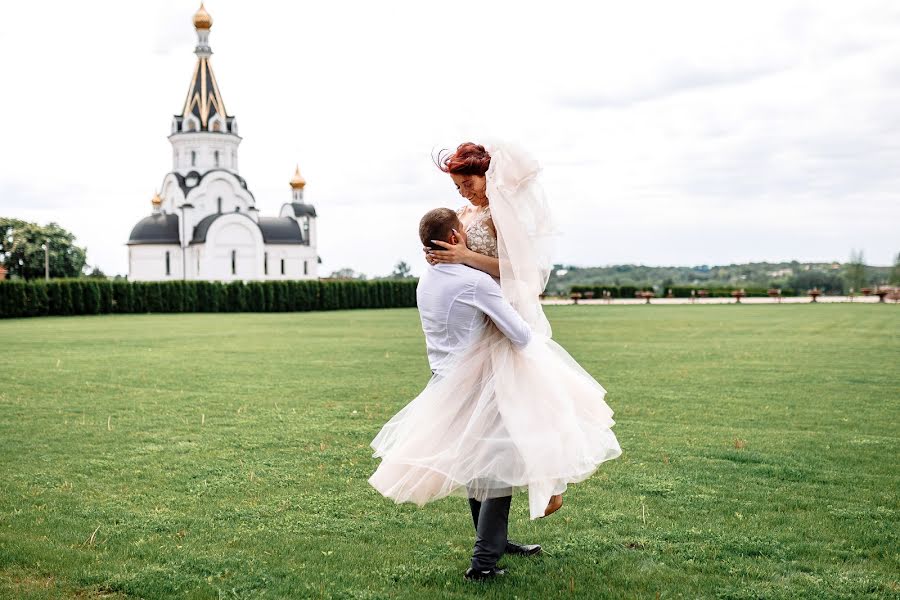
469, 159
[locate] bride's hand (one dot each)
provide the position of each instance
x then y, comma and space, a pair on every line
452, 254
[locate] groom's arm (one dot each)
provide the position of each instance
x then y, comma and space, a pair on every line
489, 299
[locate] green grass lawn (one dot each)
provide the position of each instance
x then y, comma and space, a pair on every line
226, 456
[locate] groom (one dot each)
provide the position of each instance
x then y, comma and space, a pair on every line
455, 302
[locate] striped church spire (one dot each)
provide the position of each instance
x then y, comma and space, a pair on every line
204, 108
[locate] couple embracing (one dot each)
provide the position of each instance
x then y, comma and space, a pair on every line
506, 407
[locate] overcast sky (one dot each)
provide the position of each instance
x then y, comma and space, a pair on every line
670, 132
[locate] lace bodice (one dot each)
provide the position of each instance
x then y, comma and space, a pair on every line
480, 236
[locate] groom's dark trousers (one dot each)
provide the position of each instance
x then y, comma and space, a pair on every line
491, 519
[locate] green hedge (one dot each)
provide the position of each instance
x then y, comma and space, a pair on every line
628, 291
620, 291
685, 291
97, 296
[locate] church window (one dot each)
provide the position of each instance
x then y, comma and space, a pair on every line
237, 209
216, 154
168, 264
306, 267
234, 262
217, 126
219, 201
282, 266
265, 263
198, 264
193, 158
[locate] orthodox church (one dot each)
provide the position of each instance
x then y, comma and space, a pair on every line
205, 224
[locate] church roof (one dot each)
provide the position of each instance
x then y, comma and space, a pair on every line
280, 230
192, 179
275, 230
204, 100
155, 229
303, 210
202, 227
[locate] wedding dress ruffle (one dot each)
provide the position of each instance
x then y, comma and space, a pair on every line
503, 419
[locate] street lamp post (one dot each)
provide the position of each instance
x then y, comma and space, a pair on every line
46, 246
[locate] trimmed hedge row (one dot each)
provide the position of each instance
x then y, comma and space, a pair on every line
628, 291
685, 292
621, 291
98, 296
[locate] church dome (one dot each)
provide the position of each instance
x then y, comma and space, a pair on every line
155, 229
297, 181
202, 19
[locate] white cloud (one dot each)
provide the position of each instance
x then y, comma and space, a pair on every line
678, 133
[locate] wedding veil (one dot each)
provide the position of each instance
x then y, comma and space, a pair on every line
525, 230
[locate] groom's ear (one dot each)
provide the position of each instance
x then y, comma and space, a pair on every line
454, 237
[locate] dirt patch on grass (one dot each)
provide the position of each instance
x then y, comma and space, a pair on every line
24, 585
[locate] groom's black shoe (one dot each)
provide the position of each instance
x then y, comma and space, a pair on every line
522, 550
478, 575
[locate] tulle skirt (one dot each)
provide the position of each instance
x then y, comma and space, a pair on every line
500, 419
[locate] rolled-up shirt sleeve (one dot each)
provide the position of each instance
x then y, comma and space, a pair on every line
489, 299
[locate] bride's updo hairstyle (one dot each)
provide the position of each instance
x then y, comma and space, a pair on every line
469, 159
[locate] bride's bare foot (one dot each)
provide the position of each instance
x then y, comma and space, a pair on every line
554, 505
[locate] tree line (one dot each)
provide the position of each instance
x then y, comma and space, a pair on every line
791, 277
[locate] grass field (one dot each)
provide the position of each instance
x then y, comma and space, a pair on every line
226, 456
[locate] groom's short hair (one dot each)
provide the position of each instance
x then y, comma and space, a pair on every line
437, 224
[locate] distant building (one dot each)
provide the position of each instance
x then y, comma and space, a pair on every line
781, 273
205, 224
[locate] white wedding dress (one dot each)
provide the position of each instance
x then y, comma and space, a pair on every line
502, 418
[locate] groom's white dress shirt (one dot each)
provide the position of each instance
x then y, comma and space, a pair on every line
454, 302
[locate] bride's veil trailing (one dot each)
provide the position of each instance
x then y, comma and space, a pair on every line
525, 230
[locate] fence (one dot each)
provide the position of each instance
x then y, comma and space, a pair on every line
627, 291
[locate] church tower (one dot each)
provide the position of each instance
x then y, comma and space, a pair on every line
204, 136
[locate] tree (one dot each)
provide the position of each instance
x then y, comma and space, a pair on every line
895, 272
97, 273
855, 275
401, 271
826, 282
22, 250
346, 273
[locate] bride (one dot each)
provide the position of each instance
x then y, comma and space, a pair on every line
500, 418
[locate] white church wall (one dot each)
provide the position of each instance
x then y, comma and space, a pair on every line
171, 194
201, 151
147, 262
308, 227
232, 233
299, 261
225, 186
205, 199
